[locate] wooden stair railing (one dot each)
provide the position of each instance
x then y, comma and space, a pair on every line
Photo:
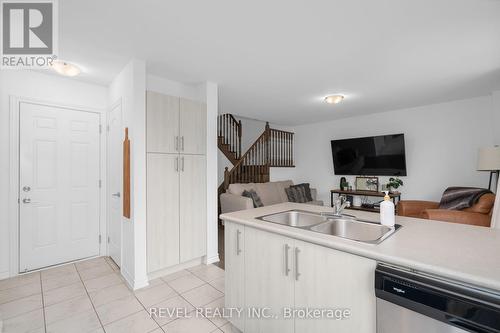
229, 137
252, 166
273, 148
280, 148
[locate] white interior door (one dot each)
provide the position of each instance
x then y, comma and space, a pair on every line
59, 185
115, 182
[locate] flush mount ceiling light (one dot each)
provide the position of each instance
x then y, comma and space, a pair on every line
65, 68
334, 99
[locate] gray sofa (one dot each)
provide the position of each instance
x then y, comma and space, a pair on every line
270, 193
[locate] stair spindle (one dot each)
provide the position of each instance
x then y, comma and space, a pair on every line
290, 149
275, 155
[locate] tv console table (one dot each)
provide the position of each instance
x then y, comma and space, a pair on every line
395, 196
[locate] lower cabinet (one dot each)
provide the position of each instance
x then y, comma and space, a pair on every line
268, 281
234, 262
284, 277
331, 279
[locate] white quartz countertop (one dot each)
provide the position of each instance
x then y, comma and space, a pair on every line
458, 252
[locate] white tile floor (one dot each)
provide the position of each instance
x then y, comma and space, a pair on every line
90, 296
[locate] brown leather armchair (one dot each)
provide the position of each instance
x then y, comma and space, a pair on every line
479, 214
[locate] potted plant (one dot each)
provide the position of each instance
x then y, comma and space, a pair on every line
394, 184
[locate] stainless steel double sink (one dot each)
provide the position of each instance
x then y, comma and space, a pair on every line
344, 226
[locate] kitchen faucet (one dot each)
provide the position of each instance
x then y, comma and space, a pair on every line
338, 207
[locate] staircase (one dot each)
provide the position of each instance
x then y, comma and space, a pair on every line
273, 148
229, 137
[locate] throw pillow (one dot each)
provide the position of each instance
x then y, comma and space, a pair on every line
306, 189
254, 196
296, 194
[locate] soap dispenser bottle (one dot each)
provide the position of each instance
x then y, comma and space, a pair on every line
387, 215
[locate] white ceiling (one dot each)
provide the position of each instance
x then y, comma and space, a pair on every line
275, 60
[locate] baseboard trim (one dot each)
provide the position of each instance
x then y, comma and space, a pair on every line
131, 282
212, 260
4, 275
175, 268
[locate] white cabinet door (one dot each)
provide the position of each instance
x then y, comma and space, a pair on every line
162, 123
234, 257
59, 185
193, 202
162, 211
193, 139
269, 283
334, 280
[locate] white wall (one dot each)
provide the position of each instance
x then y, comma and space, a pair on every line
212, 100
251, 130
165, 86
442, 141
129, 86
44, 87
495, 221
496, 116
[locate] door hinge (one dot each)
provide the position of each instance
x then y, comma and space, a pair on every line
99, 239
108, 239
100, 183
100, 129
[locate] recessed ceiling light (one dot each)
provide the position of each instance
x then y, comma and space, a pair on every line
65, 68
334, 99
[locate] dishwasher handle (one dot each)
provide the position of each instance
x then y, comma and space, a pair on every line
471, 327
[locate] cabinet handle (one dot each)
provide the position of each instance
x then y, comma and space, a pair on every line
238, 249
176, 143
287, 268
297, 274
182, 163
182, 143
176, 164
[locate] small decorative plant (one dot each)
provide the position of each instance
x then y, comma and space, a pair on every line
394, 183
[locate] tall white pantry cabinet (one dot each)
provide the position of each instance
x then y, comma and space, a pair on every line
176, 180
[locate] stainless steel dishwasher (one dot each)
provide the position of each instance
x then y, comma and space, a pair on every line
409, 302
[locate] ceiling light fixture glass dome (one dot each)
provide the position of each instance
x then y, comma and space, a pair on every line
65, 68
334, 99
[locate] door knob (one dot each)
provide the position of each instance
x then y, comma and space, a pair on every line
117, 194
26, 200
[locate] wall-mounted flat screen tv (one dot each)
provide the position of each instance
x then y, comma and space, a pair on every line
373, 156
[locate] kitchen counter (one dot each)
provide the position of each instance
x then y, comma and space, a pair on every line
462, 253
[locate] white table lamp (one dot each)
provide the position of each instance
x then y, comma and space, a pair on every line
489, 160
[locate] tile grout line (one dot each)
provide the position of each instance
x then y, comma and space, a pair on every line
90, 299
179, 295
195, 307
144, 308
43, 304
118, 319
